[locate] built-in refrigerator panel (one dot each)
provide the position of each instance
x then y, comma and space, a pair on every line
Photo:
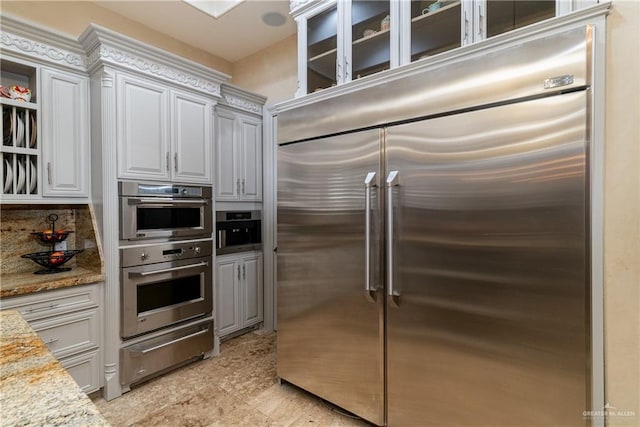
330, 328
489, 320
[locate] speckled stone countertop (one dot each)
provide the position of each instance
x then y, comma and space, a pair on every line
26, 283
35, 390
20, 222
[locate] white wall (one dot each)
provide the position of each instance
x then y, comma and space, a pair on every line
622, 212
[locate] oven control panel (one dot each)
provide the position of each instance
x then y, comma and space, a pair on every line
163, 252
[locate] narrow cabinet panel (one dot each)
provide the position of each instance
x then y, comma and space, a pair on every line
65, 133
251, 149
238, 156
239, 291
191, 138
227, 301
227, 183
253, 290
142, 117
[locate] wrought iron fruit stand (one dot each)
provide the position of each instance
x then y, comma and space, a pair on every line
52, 259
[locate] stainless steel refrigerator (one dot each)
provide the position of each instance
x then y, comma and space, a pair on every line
433, 244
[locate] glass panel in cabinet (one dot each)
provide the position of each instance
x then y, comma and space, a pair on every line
435, 27
322, 49
370, 37
504, 16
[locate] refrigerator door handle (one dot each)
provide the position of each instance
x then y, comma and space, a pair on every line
393, 180
370, 182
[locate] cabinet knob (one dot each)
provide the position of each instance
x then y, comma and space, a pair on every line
196, 250
144, 256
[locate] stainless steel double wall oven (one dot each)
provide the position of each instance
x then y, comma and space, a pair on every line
166, 282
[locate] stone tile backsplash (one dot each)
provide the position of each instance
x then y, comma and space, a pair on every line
17, 222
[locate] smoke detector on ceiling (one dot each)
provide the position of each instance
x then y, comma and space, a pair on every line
274, 19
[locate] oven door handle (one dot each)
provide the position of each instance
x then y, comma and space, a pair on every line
165, 201
168, 343
169, 270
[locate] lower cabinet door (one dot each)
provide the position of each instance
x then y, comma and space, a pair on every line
69, 334
227, 302
252, 290
84, 369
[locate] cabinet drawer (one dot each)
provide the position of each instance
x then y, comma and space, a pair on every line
84, 369
69, 334
51, 303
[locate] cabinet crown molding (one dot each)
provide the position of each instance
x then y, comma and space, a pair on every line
299, 7
238, 98
106, 47
30, 41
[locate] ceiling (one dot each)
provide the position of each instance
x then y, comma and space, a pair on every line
235, 35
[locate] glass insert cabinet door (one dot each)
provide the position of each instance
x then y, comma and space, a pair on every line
504, 16
370, 48
435, 27
322, 50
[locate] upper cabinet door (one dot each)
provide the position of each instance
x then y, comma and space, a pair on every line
142, 116
320, 50
431, 27
65, 134
192, 140
227, 183
368, 38
504, 16
488, 18
251, 156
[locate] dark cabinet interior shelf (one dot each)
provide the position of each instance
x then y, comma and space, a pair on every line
436, 31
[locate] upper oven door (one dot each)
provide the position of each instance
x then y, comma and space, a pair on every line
152, 217
158, 295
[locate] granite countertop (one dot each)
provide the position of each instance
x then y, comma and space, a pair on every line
15, 284
35, 390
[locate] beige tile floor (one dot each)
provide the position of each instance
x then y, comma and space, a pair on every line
237, 388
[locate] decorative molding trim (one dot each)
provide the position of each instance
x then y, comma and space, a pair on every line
240, 99
309, 8
115, 56
296, 5
107, 80
42, 51
106, 47
242, 104
34, 42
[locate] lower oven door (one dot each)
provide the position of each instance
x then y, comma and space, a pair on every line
151, 356
159, 295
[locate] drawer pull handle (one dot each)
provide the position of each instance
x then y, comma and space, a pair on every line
33, 310
52, 340
166, 344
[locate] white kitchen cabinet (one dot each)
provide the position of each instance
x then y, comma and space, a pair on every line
45, 150
238, 156
163, 134
239, 291
341, 41
142, 115
65, 133
191, 138
69, 322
